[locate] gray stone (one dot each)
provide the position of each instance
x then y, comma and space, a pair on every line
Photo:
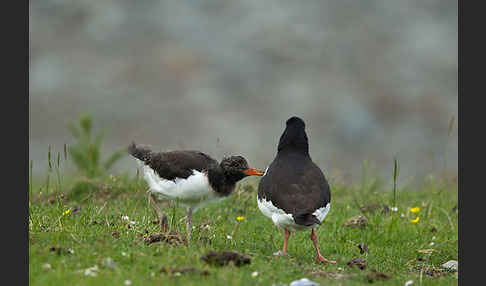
303, 282
451, 265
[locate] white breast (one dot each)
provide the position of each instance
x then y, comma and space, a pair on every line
194, 191
285, 220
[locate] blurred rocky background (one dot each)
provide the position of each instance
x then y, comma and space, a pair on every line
372, 79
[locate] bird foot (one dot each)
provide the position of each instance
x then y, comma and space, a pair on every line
322, 259
280, 253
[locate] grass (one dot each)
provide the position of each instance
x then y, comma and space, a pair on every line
73, 242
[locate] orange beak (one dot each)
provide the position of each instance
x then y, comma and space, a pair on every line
254, 172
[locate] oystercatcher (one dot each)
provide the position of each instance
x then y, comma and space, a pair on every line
293, 191
191, 177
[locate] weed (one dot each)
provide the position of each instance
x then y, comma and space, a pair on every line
85, 152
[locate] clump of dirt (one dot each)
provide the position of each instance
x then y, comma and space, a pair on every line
375, 275
172, 238
115, 234
226, 258
362, 248
358, 262
356, 221
176, 271
59, 250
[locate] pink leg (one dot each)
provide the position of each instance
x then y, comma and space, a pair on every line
286, 240
319, 257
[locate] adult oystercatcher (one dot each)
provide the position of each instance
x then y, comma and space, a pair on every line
191, 177
293, 191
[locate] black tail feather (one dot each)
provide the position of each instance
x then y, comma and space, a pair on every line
139, 152
305, 218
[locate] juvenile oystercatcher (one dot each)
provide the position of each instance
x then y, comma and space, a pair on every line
191, 177
293, 191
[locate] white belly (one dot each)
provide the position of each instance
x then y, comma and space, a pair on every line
286, 221
194, 191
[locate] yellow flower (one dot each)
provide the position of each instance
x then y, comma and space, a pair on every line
67, 212
415, 210
415, 220
240, 218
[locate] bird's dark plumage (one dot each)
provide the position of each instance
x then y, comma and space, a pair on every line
293, 192
173, 164
292, 182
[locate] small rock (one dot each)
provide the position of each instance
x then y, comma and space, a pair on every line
92, 271
360, 263
46, 266
303, 282
451, 265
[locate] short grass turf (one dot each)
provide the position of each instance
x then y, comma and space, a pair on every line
88, 224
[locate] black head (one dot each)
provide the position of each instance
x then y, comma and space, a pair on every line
294, 136
236, 168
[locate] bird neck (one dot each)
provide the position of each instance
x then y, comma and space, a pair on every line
219, 182
293, 140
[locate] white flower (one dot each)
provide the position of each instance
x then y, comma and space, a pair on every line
124, 253
254, 274
132, 222
125, 217
128, 282
409, 282
433, 237
402, 215
432, 243
394, 209
229, 237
